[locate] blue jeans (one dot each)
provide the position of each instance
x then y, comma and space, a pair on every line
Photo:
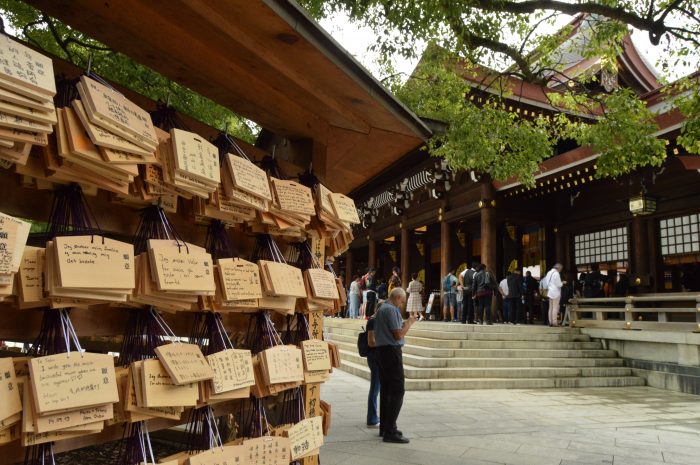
354, 302
372, 411
507, 310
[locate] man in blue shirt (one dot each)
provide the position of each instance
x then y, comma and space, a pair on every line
389, 332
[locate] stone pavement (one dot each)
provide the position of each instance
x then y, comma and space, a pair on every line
610, 426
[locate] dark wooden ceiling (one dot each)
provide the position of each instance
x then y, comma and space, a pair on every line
267, 61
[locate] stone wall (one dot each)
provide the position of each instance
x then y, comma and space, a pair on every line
665, 359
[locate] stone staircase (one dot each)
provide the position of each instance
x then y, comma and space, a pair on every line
456, 356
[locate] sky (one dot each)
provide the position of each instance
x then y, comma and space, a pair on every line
357, 39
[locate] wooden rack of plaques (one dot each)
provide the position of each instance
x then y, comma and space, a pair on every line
42, 147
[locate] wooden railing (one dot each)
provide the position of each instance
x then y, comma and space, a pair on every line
658, 312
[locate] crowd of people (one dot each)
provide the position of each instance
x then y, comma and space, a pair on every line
475, 295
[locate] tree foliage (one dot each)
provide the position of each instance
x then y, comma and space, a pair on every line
512, 39
60, 40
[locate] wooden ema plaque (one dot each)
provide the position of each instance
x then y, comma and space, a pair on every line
323, 199
160, 391
94, 262
114, 112
26, 102
31, 437
233, 369
344, 208
99, 136
75, 419
195, 155
316, 355
13, 238
305, 437
31, 278
225, 455
27, 113
293, 197
10, 402
182, 269
72, 381
185, 363
130, 378
282, 364
247, 200
283, 279
267, 450
240, 279
30, 70
322, 283
248, 177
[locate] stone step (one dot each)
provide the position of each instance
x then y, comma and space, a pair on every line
490, 353
458, 327
467, 344
505, 372
427, 362
479, 336
504, 383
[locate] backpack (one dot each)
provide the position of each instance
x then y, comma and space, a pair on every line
447, 284
363, 343
489, 283
469, 281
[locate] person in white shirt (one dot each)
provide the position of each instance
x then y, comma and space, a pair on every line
503, 290
553, 285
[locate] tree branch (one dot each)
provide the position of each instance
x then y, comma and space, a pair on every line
655, 28
538, 24
59, 40
475, 41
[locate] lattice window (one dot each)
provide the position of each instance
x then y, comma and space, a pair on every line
679, 235
609, 245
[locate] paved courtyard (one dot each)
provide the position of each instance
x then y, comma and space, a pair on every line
618, 426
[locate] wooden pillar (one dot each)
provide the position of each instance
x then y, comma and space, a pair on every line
349, 265
405, 256
372, 253
488, 226
560, 247
444, 249
640, 266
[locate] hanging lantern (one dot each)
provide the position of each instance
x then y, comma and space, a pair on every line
642, 205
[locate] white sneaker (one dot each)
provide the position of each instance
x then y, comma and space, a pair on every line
420, 318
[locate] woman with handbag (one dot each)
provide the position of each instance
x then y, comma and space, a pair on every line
354, 298
415, 298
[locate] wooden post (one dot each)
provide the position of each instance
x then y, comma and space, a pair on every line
405, 256
488, 226
444, 249
372, 253
560, 247
641, 278
348, 268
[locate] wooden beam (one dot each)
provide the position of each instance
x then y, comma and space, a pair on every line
445, 257
349, 265
405, 256
488, 227
371, 254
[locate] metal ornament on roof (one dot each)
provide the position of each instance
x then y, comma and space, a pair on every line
439, 180
441, 177
402, 197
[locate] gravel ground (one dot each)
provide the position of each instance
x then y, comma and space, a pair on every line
107, 454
